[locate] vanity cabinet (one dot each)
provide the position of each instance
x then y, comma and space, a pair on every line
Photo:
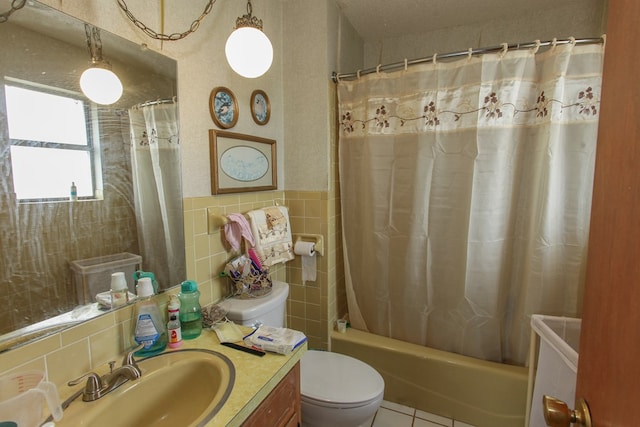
282, 407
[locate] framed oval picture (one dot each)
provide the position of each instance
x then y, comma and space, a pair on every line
223, 107
241, 163
260, 107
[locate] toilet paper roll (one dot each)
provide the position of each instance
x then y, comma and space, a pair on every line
304, 248
308, 253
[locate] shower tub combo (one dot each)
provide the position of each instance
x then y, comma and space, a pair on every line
477, 392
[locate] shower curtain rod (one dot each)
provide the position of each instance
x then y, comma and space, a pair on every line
336, 77
156, 102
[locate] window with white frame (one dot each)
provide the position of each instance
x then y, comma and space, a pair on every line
51, 144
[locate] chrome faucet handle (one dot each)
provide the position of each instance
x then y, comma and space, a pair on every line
129, 359
92, 388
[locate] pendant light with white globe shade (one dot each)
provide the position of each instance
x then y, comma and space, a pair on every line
98, 82
249, 51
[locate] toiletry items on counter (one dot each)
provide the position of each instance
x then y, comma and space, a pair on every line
149, 328
190, 310
140, 274
174, 329
119, 290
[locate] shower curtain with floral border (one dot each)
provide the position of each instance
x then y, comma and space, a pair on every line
466, 195
157, 190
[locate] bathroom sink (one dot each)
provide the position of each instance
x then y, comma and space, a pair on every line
178, 388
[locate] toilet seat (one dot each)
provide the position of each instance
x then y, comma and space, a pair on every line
339, 381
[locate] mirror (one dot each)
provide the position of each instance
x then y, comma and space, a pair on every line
126, 171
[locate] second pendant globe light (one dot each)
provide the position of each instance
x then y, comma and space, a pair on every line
248, 50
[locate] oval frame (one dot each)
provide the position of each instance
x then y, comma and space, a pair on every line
218, 115
219, 142
255, 112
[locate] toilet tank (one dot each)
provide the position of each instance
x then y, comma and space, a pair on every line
265, 310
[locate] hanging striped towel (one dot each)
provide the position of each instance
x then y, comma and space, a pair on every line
272, 235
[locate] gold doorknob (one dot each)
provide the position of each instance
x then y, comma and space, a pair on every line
558, 414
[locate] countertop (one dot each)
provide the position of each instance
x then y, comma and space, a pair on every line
255, 377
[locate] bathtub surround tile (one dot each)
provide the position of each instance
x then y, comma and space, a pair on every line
461, 424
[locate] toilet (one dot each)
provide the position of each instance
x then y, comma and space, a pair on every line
337, 390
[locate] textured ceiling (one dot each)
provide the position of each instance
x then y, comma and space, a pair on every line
380, 19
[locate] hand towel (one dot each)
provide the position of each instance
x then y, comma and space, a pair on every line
274, 217
272, 242
237, 228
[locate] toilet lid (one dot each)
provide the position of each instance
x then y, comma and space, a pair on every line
337, 378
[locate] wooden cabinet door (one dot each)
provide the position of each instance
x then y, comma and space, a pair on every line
282, 407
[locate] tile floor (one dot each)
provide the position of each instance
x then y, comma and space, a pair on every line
394, 415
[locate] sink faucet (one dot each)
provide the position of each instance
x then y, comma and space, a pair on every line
97, 386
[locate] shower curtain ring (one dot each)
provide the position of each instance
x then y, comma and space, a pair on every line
505, 48
406, 64
378, 69
358, 74
470, 53
535, 49
435, 56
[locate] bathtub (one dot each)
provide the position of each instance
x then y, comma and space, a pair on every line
480, 393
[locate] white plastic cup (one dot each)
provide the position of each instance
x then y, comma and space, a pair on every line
118, 281
119, 290
342, 325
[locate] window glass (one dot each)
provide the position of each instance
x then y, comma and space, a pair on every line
48, 134
61, 167
41, 116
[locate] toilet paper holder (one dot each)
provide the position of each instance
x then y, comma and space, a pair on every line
316, 239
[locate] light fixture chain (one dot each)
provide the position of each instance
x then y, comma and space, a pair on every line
15, 5
165, 37
87, 32
94, 42
97, 41
249, 20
